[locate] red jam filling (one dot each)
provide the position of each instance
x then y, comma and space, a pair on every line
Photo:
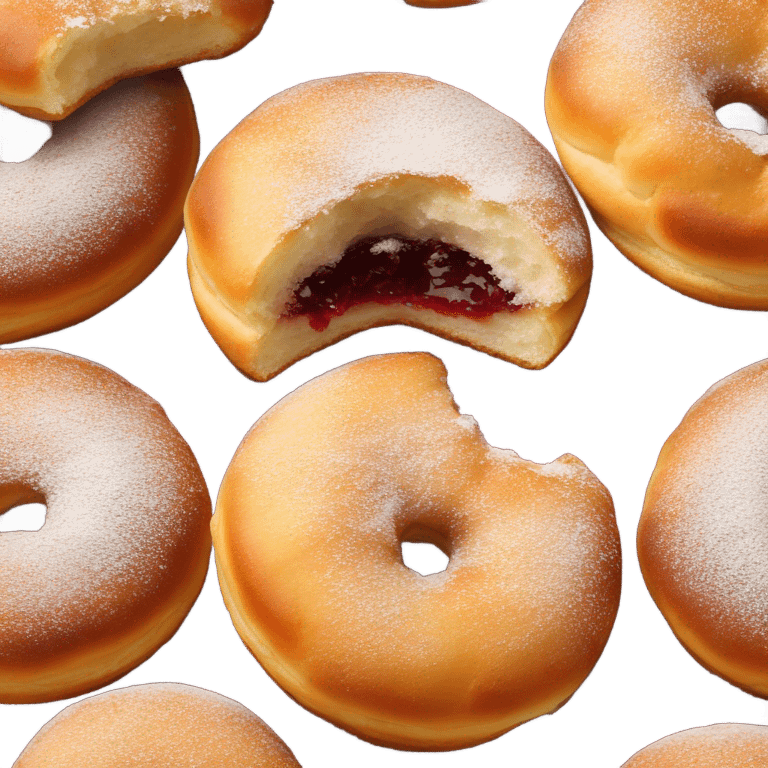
426, 274
20, 137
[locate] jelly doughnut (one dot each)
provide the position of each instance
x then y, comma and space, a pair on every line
156, 726
728, 745
374, 199
703, 534
631, 97
124, 549
308, 529
57, 54
88, 217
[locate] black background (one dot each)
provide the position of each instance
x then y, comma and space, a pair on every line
641, 356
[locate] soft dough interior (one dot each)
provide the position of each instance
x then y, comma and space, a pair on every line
419, 209
91, 55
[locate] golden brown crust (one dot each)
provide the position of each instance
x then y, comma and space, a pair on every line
287, 191
55, 55
714, 746
411, 662
126, 161
701, 539
156, 726
631, 97
125, 547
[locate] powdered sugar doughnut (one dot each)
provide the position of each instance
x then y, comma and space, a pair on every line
373, 199
57, 54
631, 98
703, 535
124, 549
714, 746
308, 529
88, 217
156, 726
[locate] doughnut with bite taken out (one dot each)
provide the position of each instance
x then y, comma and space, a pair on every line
57, 54
631, 100
308, 529
374, 199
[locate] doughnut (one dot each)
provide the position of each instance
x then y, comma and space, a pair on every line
728, 745
703, 534
124, 549
156, 726
57, 54
631, 97
441, 3
373, 199
309, 523
88, 217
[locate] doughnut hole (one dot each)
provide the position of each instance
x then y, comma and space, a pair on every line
424, 550
742, 116
21, 509
21, 137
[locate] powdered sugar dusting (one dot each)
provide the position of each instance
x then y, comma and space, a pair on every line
72, 206
381, 126
126, 503
716, 543
656, 65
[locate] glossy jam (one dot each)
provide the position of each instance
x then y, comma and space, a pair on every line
21, 138
426, 274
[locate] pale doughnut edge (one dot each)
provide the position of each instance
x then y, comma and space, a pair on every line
660, 257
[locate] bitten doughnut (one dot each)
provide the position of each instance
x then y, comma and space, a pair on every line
631, 97
156, 726
88, 217
703, 534
57, 54
374, 199
308, 529
728, 745
125, 546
